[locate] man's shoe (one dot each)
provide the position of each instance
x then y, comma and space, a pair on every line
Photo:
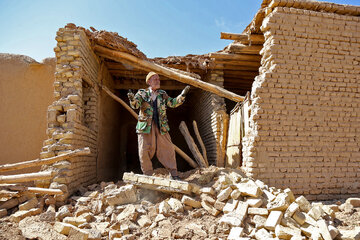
177, 178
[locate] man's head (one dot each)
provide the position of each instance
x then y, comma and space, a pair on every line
153, 80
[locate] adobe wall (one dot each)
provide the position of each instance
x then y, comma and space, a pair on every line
26, 89
305, 111
212, 120
74, 118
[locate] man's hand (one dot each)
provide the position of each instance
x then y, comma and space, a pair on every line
185, 91
131, 95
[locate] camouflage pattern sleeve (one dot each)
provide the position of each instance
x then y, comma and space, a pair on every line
174, 102
136, 103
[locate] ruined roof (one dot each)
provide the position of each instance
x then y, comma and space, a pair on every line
268, 5
111, 40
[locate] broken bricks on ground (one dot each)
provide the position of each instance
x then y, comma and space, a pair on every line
242, 207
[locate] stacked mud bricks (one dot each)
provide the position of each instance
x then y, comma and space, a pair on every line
212, 120
73, 116
305, 111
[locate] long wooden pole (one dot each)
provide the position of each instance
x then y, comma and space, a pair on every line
197, 134
26, 177
150, 66
177, 149
16, 187
190, 141
39, 162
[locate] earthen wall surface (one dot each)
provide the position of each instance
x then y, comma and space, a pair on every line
26, 90
305, 112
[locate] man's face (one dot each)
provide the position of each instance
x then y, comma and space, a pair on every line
154, 82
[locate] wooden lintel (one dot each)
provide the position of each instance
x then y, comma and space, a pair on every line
40, 162
236, 57
26, 177
168, 72
140, 84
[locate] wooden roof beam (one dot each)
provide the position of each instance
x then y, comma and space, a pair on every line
165, 71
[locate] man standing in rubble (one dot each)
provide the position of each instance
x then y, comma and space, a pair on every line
152, 126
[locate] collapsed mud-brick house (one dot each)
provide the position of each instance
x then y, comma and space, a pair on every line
298, 127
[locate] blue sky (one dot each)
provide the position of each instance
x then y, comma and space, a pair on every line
160, 28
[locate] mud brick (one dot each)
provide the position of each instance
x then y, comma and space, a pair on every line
190, 202
258, 211
230, 205
273, 220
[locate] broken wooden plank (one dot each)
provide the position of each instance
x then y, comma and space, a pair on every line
190, 141
40, 162
171, 73
27, 177
234, 36
15, 187
197, 134
135, 115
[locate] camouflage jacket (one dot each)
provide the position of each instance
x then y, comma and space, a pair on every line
143, 101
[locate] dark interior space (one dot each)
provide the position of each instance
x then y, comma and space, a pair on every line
129, 160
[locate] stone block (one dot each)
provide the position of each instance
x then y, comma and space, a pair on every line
76, 221
291, 209
32, 203
175, 205
115, 234
230, 205
207, 198
181, 185
123, 195
273, 220
254, 202
286, 232
233, 219
208, 190
63, 211
269, 196
63, 228
224, 194
299, 217
209, 208
190, 202
235, 194
235, 233
249, 189
21, 214
219, 205
145, 179
280, 203
144, 221
304, 204
333, 231
263, 234
258, 211
353, 234
128, 213
130, 177
323, 229
290, 195
259, 221
164, 208
79, 234
316, 212
162, 182
242, 209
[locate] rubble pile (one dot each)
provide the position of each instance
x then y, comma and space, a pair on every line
213, 203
